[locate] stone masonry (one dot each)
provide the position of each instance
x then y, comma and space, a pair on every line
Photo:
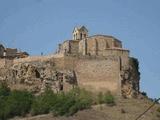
97, 63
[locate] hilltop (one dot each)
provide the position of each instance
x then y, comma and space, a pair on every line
98, 64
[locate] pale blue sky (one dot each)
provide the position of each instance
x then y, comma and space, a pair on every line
39, 25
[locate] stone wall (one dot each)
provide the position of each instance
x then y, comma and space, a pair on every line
74, 46
122, 54
98, 43
11, 52
118, 74
96, 75
58, 58
69, 47
2, 63
65, 47
37, 58
6, 63
99, 75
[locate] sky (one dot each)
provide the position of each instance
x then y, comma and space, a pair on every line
39, 26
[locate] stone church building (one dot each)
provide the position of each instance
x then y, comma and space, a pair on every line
100, 63
97, 63
96, 45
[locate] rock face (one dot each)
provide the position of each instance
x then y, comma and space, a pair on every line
37, 76
130, 77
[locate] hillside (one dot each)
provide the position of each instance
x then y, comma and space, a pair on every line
87, 79
125, 109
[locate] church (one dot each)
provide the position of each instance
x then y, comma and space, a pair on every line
97, 45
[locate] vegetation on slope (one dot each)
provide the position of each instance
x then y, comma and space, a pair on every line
19, 103
14, 103
107, 98
158, 109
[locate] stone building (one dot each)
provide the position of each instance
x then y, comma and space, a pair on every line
97, 63
21, 54
96, 45
82, 44
100, 63
10, 52
80, 33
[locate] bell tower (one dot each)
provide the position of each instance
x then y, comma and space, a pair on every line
80, 33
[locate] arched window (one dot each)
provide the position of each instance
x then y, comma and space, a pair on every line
76, 37
107, 46
81, 36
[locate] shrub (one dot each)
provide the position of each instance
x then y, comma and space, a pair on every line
100, 98
4, 89
83, 100
144, 93
158, 114
109, 99
4, 92
158, 110
69, 103
106, 98
43, 103
63, 104
2, 108
16, 103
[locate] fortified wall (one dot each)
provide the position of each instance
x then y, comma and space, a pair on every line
96, 74
97, 63
101, 63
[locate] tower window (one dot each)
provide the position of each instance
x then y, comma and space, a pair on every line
81, 36
76, 37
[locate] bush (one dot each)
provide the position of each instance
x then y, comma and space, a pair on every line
144, 94
158, 110
63, 104
2, 108
109, 99
4, 90
100, 98
83, 100
106, 98
69, 103
43, 103
16, 103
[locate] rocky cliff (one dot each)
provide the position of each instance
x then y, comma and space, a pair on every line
94, 74
36, 76
130, 77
